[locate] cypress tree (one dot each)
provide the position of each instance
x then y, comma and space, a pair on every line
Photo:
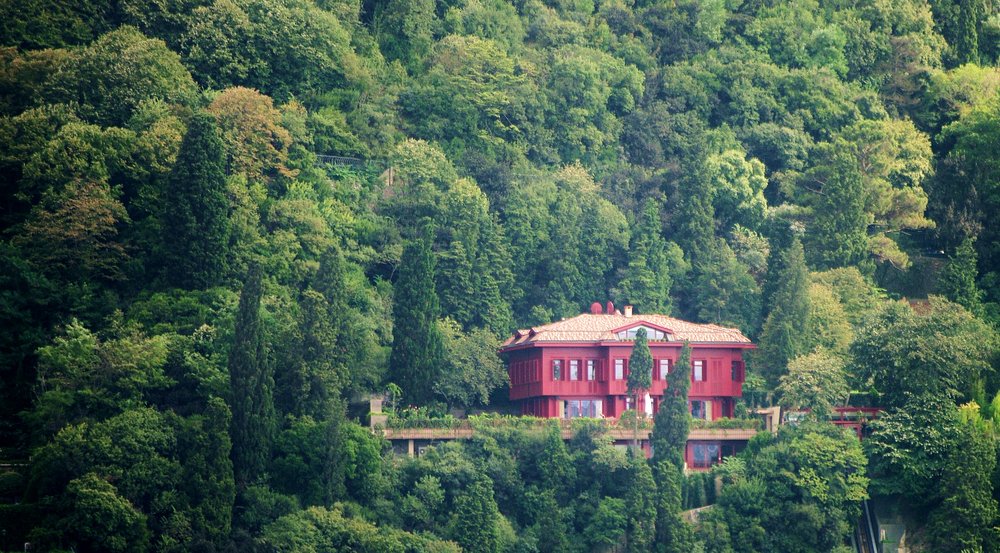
838, 234
782, 338
640, 507
496, 281
417, 348
958, 279
456, 282
647, 281
476, 514
670, 429
695, 229
673, 535
196, 209
251, 384
640, 366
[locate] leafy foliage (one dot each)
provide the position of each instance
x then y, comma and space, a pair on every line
157, 157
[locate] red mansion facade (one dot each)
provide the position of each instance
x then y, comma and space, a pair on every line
578, 367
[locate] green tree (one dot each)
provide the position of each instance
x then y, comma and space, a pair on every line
820, 472
647, 280
417, 348
968, 511
118, 72
837, 235
204, 448
829, 325
252, 387
782, 338
196, 210
909, 448
472, 369
673, 534
100, 519
474, 523
816, 381
721, 290
321, 529
670, 427
640, 376
640, 506
409, 31
942, 351
958, 278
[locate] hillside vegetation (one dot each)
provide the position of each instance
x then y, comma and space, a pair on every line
224, 224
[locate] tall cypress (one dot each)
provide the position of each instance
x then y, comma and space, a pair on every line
647, 280
640, 375
782, 338
640, 506
670, 429
251, 384
417, 348
958, 278
673, 535
838, 233
196, 209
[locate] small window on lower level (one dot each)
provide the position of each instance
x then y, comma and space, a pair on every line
588, 408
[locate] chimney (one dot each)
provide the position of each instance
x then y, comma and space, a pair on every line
611, 309
628, 310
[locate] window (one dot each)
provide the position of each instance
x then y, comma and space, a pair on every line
737, 371
698, 370
591, 369
589, 408
574, 369
703, 456
651, 334
619, 369
557, 369
664, 368
699, 409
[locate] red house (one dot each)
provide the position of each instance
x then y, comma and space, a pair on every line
578, 367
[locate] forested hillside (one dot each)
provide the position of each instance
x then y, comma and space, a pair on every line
224, 224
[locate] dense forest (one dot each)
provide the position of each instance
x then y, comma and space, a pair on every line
224, 224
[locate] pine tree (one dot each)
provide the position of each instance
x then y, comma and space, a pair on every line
782, 338
251, 384
958, 279
640, 366
196, 209
647, 280
417, 349
670, 427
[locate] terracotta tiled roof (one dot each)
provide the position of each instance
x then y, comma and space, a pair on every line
596, 328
